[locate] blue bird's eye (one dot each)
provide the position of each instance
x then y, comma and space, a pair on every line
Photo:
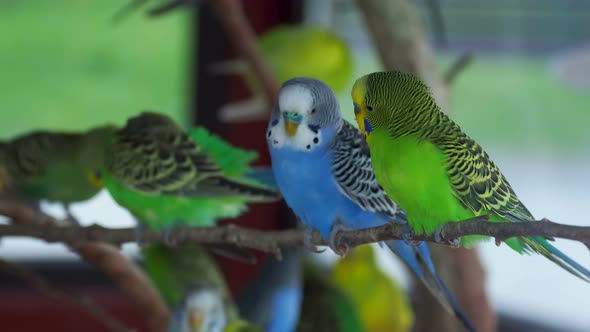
368, 128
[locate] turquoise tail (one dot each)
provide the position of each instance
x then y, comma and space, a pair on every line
264, 176
542, 246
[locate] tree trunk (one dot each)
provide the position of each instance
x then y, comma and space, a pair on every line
400, 40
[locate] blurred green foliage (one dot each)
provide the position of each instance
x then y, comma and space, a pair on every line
65, 65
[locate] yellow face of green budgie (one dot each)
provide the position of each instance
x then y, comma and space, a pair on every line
360, 108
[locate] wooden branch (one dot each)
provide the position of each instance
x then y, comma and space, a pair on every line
128, 277
271, 241
244, 39
107, 258
398, 34
44, 286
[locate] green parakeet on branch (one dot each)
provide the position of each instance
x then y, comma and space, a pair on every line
432, 169
61, 167
166, 177
381, 303
193, 287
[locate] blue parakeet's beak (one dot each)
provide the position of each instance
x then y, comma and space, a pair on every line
292, 121
195, 320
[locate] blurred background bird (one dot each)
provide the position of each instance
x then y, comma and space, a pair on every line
273, 299
62, 167
381, 303
325, 307
290, 51
194, 288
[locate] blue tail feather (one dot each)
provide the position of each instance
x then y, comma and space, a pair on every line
419, 260
565, 261
264, 176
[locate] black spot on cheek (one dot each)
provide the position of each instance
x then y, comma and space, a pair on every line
314, 128
308, 146
316, 140
269, 133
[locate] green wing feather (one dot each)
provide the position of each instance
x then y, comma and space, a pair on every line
476, 180
234, 162
153, 156
482, 188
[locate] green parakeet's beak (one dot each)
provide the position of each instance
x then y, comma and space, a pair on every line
292, 121
95, 178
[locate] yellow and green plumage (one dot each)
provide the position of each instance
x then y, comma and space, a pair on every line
295, 51
56, 166
381, 304
432, 169
166, 177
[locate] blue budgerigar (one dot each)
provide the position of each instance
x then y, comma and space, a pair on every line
323, 168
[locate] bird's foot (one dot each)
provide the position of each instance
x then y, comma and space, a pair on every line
407, 236
334, 240
137, 233
307, 237
440, 239
169, 240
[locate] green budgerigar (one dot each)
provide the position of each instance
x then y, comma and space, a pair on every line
381, 303
192, 285
61, 167
166, 177
432, 169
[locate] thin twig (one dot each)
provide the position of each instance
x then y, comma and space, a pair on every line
457, 67
271, 241
44, 286
244, 40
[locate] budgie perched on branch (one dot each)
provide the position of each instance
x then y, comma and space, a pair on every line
322, 165
438, 174
166, 177
56, 166
193, 287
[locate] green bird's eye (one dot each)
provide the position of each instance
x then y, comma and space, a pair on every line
369, 108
